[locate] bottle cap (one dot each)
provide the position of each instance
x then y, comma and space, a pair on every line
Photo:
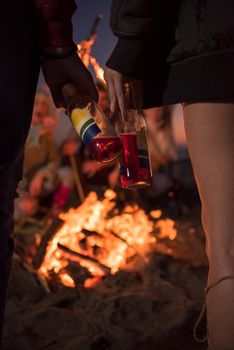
69, 91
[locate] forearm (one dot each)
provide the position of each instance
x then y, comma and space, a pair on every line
54, 22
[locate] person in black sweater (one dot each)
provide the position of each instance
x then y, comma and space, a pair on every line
183, 52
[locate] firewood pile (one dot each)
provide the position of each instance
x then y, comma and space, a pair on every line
149, 299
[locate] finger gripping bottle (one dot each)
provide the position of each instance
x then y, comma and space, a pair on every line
135, 168
92, 125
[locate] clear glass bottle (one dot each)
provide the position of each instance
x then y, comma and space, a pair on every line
93, 127
135, 168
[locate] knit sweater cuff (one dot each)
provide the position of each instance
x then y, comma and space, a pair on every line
54, 22
126, 57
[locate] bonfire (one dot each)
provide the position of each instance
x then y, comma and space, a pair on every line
97, 239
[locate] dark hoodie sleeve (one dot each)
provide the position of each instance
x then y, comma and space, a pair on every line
130, 21
139, 25
54, 22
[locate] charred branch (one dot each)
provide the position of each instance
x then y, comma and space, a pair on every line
78, 256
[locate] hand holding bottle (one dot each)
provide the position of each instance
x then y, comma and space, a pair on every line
115, 85
58, 72
93, 127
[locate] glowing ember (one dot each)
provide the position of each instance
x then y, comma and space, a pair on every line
166, 228
156, 214
96, 239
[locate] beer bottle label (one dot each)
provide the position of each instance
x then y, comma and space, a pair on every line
143, 158
85, 125
142, 149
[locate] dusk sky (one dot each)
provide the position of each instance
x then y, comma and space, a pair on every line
83, 21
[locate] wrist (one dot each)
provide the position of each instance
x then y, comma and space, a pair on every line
59, 52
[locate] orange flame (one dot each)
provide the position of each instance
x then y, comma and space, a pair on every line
166, 228
99, 72
112, 238
84, 51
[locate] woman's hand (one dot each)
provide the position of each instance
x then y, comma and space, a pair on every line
115, 85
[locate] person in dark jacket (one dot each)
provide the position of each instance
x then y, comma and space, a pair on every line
32, 32
183, 52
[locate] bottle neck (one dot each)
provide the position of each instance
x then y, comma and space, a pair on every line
134, 120
128, 97
73, 99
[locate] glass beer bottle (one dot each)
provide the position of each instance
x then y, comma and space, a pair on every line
135, 168
93, 127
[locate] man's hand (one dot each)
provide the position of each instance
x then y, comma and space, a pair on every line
115, 85
58, 72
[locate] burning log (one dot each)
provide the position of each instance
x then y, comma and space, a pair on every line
84, 48
83, 244
100, 244
96, 250
53, 227
49, 233
89, 233
129, 245
84, 51
77, 256
78, 273
112, 233
93, 31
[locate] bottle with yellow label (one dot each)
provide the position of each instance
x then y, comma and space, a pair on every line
92, 125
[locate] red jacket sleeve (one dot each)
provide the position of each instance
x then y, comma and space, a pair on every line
54, 22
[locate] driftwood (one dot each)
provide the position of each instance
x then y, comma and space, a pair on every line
77, 256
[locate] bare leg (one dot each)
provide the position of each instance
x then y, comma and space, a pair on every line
209, 129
